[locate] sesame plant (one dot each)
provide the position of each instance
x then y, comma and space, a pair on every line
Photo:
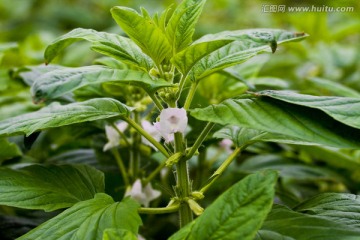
142, 97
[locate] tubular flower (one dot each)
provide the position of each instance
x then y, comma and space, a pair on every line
151, 129
172, 120
144, 195
113, 136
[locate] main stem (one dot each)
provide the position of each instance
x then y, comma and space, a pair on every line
183, 183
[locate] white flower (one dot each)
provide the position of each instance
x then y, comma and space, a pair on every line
144, 195
113, 136
148, 127
172, 120
141, 237
226, 144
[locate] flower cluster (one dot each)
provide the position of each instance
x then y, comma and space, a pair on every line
172, 120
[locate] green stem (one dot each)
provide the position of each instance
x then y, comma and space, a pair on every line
190, 95
221, 169
183, 183
121, 166
170, 209
147, 136
135, 154
156, 101
123, 136
153, 173
200, 140
181, 86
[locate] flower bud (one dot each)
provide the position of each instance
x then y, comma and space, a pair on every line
195, 207
173, 159
154, 72
197, 195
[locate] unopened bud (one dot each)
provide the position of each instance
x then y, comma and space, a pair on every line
195, 207
154, 72
197, 195
173, 159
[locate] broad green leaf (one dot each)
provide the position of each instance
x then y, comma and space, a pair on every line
332, 156
187, 58
144, 32
245, 136
30, 74
340, 207
269, 83
163, 18
89, 219
334, 88
219, 87
181, 26
56, 115
8, 150
283, 223
111, 45
58, 82
49, 187
288, 168
311, 125
343, 109
118, 234
246, 44
236, 214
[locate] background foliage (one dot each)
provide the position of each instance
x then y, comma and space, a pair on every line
326, 64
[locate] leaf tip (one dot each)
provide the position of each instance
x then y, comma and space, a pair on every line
273, 46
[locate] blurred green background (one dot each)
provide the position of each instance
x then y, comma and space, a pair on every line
326, 63
329, 56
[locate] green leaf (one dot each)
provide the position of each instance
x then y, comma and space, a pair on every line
269, 83
30, 74
111, 45
236, 214
288, 168
144, 32
187, 58
181, 26
343, 109
309, 124
340, 207
8, 150
118, 234
282, 223
49, 187
245, 136
246, 44
58, 82
56, 115
332, 157
334, 88
89, 219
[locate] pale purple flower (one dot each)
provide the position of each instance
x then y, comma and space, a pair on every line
151, 129
226, 144
172, 120
113, 136
143, 195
